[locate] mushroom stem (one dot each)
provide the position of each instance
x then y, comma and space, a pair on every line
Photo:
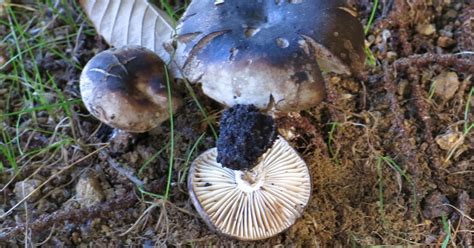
120, 140
251, 178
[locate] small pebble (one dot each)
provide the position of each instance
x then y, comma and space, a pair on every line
452, 13
88, 191
449, 140
445, 42
3, 11
426, 29
446, 84
3, 54
76, 238
3, 60
26, 187
391, 56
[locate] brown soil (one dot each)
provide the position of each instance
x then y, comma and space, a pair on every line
378, 148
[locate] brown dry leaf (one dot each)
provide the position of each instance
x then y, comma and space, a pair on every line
132, 22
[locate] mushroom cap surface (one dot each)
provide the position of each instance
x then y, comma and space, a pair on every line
126, 89
255, 204
268, 52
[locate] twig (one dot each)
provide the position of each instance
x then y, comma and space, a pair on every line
424, 60
409, 157
398, 124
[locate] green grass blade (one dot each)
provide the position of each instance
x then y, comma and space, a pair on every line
467, 126
447, 230
372, 17
171, 153
380, 186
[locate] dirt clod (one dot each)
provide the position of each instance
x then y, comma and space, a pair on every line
245, 134
435, 205
120, 141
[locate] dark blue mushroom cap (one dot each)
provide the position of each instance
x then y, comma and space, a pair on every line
268, 52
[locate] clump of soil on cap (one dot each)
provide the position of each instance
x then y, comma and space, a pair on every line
245, 135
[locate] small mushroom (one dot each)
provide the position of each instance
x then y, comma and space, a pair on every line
268, 53
126, 88
251, 204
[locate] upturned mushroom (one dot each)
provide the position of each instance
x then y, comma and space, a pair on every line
268, 53
126, 88
254, 185
251, 204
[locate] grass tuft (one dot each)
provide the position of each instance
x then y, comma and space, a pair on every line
190, 153
381, 160
371, 60
447, 230
151, 159
332, 131
468, 126
35, 106
203, 111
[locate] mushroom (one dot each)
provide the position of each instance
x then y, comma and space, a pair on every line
126, 88
251, 204
263, 52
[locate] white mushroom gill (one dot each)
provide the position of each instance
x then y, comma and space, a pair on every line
256, 204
